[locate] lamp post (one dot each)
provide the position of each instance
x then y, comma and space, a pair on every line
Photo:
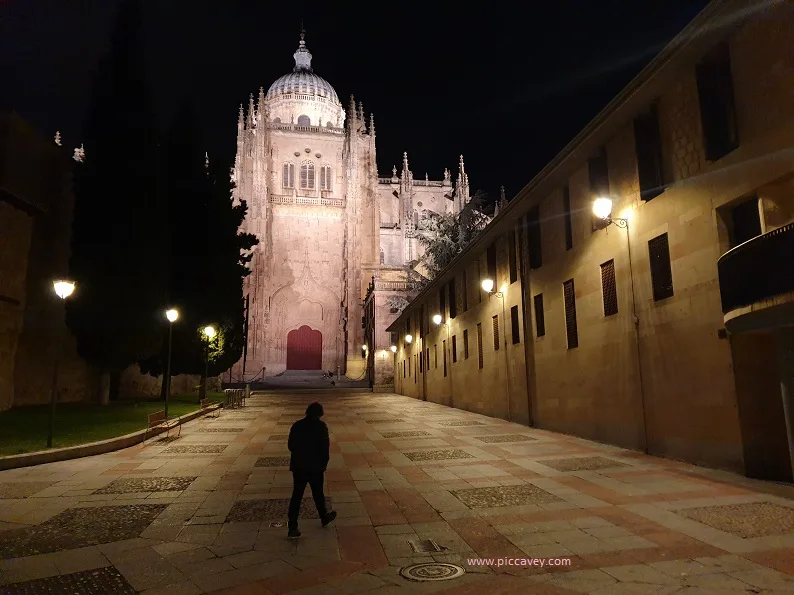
488, 285
438, 319
209, 333
63, 289
171, 315
602, 208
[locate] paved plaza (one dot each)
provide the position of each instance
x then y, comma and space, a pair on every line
413, 482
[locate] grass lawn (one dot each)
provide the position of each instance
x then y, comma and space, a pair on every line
24, 429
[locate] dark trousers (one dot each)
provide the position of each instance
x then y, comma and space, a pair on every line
299, 481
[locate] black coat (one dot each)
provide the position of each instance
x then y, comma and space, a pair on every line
309, 445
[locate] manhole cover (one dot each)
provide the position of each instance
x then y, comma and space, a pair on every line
431, 571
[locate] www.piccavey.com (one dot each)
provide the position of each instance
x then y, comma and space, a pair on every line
539, 562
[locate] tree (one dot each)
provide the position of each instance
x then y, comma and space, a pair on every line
207, 256
445, 235
118, 230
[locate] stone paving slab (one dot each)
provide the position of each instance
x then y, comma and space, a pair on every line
197, 516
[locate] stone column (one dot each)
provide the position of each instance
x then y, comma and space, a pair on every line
785, 360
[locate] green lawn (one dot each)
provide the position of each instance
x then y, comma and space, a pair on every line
24, 429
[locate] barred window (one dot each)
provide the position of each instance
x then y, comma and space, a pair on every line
288, 175
479, 343
495, 321
307, 176
454, 348
514, 331
571, 330
325, 177
466, 344
608, 288
661, 273
540, 321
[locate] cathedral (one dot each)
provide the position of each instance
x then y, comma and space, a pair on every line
331, 230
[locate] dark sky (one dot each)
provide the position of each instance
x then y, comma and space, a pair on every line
507, 84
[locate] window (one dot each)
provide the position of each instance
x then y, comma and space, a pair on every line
521, 246
745, 222
511, 255
466, 344
409, 365
490, 257
276, 120
479, 343
495, 322
453, 303
572, 332
540, 321
288, 175
648, 145
403, 368
435, 355
444, 349
304, 121
454, 348
717, 108
479, 279
442, 302
465, 292
661, 273
427, 359
422, 322
566, 205
514, 330
307, 176
535, 245
598, 168
608, 288
325, 177
415, 375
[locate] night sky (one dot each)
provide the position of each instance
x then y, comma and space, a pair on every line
506, 84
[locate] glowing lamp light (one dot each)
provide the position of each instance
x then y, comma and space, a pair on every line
394, 349
209, 331
437, 319
63, 288
408, 338
364, 347
172, 315
487, 285
602, 208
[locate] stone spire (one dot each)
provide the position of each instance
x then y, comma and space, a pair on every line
260, 101
58, 137
251, 110
372, 124
240, 120
79, 154
461, 187
405, 170
303, 57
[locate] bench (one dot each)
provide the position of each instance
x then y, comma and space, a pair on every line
158, 420
206, 404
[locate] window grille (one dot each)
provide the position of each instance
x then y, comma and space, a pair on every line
661, 273
514, 330
479, 344
325, 177
570, 314
307, 176
608, 288
288, 175
495, 321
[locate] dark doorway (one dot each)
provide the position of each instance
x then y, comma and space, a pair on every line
745, 222
304, 349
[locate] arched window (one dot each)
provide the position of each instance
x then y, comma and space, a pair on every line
329, 124
277, 120
304, 121
307, 176
288, 176
325, 177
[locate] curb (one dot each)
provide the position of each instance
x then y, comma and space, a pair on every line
92, 448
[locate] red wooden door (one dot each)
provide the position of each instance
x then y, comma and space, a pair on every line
304, 349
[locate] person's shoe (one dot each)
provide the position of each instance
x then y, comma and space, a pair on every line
329, 518
293, 533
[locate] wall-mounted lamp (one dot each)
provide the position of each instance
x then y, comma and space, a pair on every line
602, 208
394, 349
408, 339
487, 286
438, 319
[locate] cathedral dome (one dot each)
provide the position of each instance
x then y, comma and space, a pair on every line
302, 80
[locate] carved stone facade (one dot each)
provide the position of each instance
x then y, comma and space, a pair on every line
326, 222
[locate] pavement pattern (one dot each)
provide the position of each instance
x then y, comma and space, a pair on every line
412, 482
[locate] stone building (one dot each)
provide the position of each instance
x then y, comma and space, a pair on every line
327, 225
664, 325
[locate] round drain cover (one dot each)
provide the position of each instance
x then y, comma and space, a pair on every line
431, 571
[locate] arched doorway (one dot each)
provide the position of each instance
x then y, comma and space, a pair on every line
304, 349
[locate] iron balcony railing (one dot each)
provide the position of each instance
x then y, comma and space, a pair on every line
758, 269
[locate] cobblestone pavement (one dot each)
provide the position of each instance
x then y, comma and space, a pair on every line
413, 482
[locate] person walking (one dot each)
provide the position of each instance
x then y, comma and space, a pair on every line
309, 448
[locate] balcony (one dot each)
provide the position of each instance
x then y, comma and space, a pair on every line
757, 282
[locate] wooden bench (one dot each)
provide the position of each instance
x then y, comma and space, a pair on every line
206, 404
158, 420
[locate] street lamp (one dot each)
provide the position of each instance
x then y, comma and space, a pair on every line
394, 349
488, 285
437, 318
602, 208
171, 315
209, 333
63, 289
408, 339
